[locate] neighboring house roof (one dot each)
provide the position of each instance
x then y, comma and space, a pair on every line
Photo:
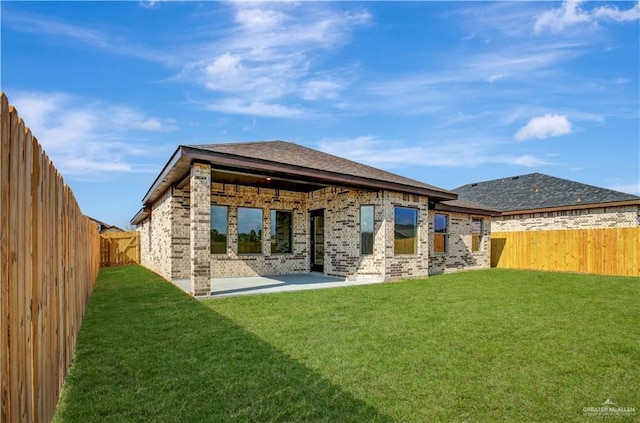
283, 165
104, 227
539, 191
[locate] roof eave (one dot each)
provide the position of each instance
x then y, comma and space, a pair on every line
141, 216
467, 210
190, 154
635, 202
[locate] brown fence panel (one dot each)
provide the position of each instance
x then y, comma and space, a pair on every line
118, 248
608, 251
49, 260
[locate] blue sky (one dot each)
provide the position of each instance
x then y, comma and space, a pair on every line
447, 93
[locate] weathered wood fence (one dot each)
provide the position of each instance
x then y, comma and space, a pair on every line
48, 264
118, 248
610, 251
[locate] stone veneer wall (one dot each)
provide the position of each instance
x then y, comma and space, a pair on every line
266, 263
593, 218
459, 255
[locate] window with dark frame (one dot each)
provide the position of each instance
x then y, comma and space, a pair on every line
405, 231
249, 230
440, 232
366, 229
281, 232
218, 229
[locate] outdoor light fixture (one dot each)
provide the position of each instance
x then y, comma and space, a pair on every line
268, 179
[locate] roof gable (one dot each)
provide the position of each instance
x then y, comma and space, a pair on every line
537, 191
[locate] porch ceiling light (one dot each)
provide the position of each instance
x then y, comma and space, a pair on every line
268, 178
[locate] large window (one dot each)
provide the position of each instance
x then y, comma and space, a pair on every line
366, 230
440, 229
249, 230
406, 231
219, 230
281, 231
476, 234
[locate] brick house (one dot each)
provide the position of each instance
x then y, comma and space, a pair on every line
268, 208
539, 202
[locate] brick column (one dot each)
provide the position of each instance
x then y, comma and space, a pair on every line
200, 209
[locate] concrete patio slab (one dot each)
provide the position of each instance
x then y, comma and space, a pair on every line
226, 287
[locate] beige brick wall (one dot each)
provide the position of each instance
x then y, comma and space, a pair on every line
342, 232
459, 255
170, 250
593, 218
406, 266
200, 214
234, 264
155, 237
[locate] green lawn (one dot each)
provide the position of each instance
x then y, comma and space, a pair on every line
491, 345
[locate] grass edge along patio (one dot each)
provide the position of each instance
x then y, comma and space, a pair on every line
275, 207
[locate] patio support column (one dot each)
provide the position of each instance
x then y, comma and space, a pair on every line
200, 209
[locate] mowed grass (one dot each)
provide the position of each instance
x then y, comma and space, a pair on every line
491, 345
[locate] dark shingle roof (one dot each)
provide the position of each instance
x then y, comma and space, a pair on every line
537, 191
288, 153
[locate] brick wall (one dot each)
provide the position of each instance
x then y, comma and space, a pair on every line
165, 239
593, 218
155, 237
266, 263
459, 255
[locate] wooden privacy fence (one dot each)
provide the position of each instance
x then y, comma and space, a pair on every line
48, 264
118, 248
610, 251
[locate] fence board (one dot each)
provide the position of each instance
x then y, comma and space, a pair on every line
118, 248
4, 259
607, 251
49, 259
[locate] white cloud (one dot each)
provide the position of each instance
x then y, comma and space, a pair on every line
544, 127
389, 154
85, 138
319, 88
572, 13
617, 15
92, 37
254, 108
632, 188
270, 57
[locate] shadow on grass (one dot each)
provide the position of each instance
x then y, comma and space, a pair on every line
148, 352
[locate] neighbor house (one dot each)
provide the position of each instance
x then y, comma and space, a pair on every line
538, 202
104, 228
266, 208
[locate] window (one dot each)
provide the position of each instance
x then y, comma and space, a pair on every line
249, 230
366, 229
476, 234
281, 231
406, 231
440, 231
219, 229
